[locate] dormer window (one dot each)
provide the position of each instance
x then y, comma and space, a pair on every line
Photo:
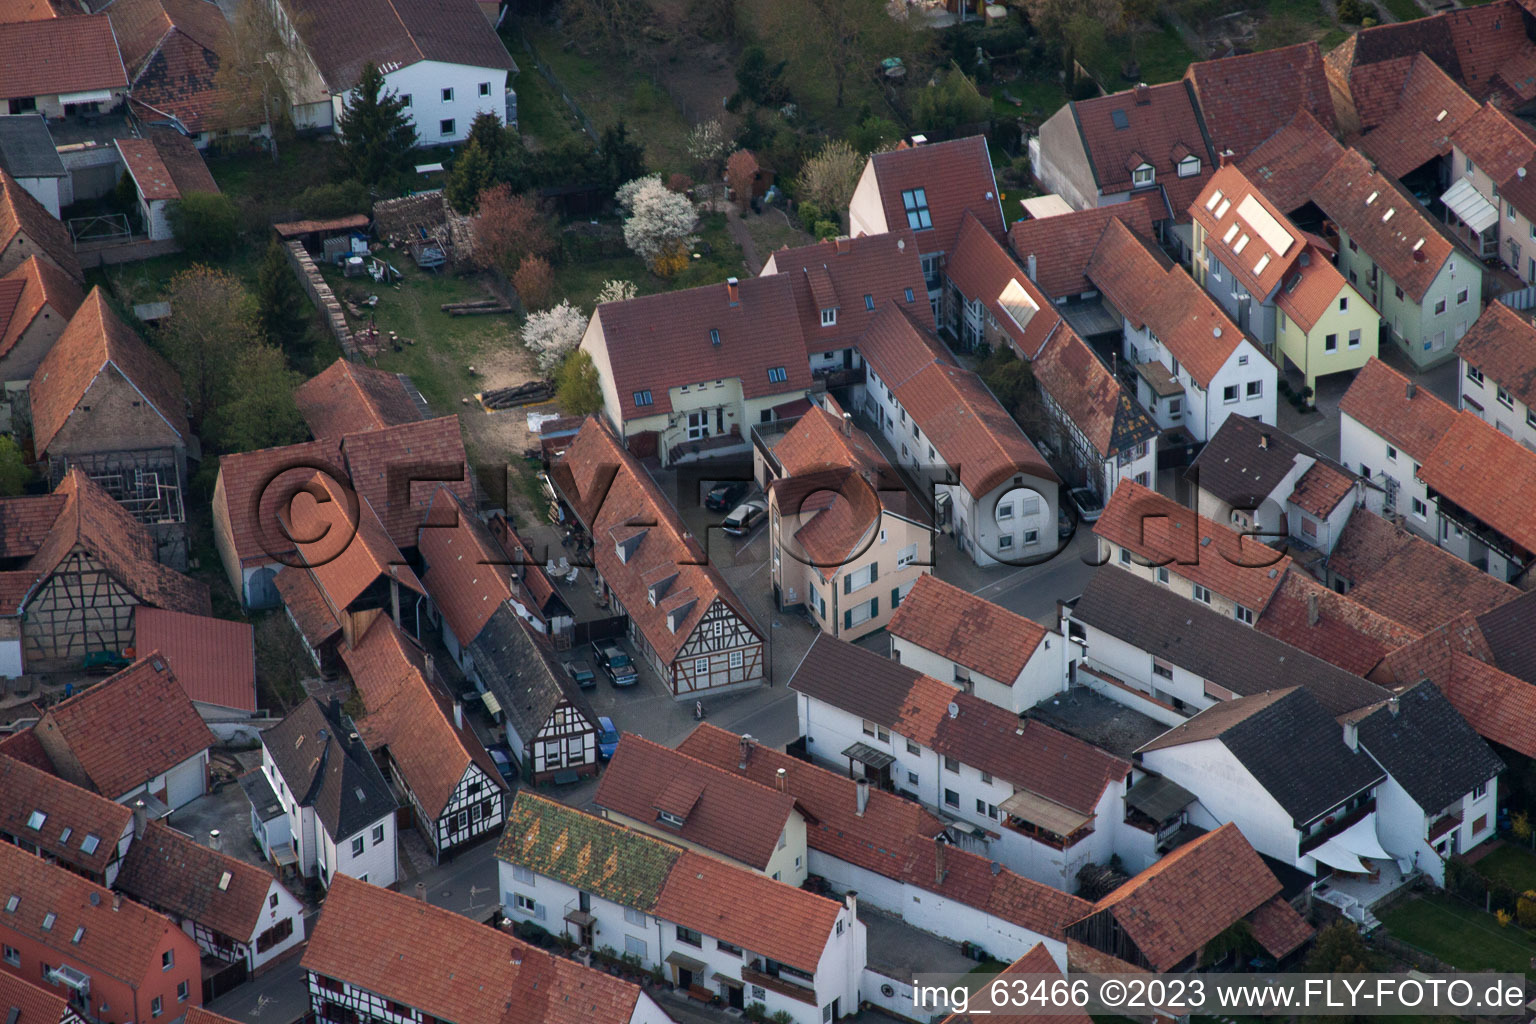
777, 375
1142, 175
829, 317
643, 398
1189, 166
626, 546
668, 818
915, 202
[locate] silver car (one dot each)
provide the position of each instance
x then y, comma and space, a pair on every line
744, 517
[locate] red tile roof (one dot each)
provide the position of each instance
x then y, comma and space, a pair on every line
1245, 99
1279, 929
956, 177
1189, 897
25, 293
657, 342
1429, 113
1162, 532
983, 271
1408, 579
968, 878
126, 730
1309, 292
412, 716
1036, 962
1162, 126
349, 398
641, 771
120, 941
1286, 165
172, 50
850, 274
821, 439
1062, 245
961, 419
60, 55
33, 1003
94, 340
832, 514
612, 493
28, 519
172, 872
1378, 399
351, 551
1092, 397
1488, 474
1347, 633
73, 813
21, 214
1245, 231
305, 604
1496, 142
214, 659
421, 456
23, 746
454, 968
1319, 490
970, 631
748, 909
1502, 344
1146, 291
468, 574
149, 173
271, 476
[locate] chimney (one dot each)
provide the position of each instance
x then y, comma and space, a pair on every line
1311, 609
421, 891
781, 780
394, 596
851, 901
458, 714
844, 245
862, 796
117, 901
140, 819
1143, 94
940, 870
1351, 735
427, 666
215, 841
1305, 259
847, 424
1412, 389
1030, 266
746, 742
1392, 705
733, 291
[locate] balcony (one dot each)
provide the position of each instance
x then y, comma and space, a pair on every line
1339, 824
1443, 824
755, 976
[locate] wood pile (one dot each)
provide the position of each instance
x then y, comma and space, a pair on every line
475, 308
522, 394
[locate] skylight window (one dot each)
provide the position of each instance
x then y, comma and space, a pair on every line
1440, 116
777, 375
1210, 204
1371, 198
64, 836
79, 934
1242, 243
1388, 215
1221, 211
1231, 234
35, 820
1418, 245
48, 920
915, 201
224, 881
1258, 268
12, 903
88, 844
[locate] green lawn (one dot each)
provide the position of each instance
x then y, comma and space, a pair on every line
1513, 865
1404, 10
1462, 936
1161, 53
541, 113
1038, 98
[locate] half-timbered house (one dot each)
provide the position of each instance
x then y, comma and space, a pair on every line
73, 567
451, 784
236, 912
682, 616
103, 402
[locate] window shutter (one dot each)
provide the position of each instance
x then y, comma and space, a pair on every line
874, 607
848, 584
895, 598
538, 911
874, 572
847, 620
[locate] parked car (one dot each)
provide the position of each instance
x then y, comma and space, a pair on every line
620, 669
1063, 524
745, 516
607, 737
581, 673
504, 762
725, 495
1088, 505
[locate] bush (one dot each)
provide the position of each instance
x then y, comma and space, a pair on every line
1352, 12
755, 1012
205, 224
332, 199
827, 229
1369, 23
810, 215
535, 283
679, 182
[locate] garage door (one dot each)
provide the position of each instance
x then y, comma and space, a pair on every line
184, 783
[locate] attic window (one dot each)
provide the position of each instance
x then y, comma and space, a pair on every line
668, 818
777, 375
915, 202
88, 844
1120, 121
643, 398
224, 881
1371, 198
1440, 116
1189, 167
1231, 234
1258, 268
64, 836
1210, 204
79, 934
35, 820
909, 295
357, 791
1418, 245
829, 317
1143, 175
48, 920
1388, 215
1242, 243
12, 903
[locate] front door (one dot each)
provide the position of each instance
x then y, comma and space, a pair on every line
684, 978
734, 996
698, 425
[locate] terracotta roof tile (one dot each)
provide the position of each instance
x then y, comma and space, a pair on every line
957, 179
1062, 245
733, 816
1309, 292
1494, 52
26, 521
968, 878
214, 659
1162, 532
1502, 344
33, 1003
128, 729
1286, 165
1036, 962
172, 49
821, 439
94, 339
33, 287
410, 714
857, 272
832, 514
149, 172
1157, 119
118, 941
24, 746
21, 214
73, 814
351, 551
175, 874
1487, 474
1431, 110
60, 55
1146, 291
468, 575
348, 398
271, 476
1378, 399
1093, 398
1244, 99
1186, 899
454, 968
428, 453
1347, 633
980, 635
1319, 490
1279, 928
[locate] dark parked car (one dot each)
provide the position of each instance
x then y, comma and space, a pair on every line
745, 516
1063, 524
607, 738
582, 673
725, 495
616, 663
504, 762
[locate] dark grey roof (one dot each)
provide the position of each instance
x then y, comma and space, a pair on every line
1291, 746
1158, 798
264, 802
1224, 651
857, 681
1510, 630
324, 763
26, 148
1428, 748
527, 683
1235, 468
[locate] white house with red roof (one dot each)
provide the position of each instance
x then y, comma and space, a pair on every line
1498, 372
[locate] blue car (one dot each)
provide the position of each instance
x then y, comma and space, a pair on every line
607, 737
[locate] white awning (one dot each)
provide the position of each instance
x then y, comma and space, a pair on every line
1360, 838
1468, 204
1335, 856
94, 96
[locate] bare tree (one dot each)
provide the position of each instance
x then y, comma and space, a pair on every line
251, 75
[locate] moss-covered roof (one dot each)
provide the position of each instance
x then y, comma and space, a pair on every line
595, 855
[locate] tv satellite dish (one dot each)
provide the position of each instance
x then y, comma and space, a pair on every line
954, 710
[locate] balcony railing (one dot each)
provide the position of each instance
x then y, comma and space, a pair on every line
772, 983
1340, 824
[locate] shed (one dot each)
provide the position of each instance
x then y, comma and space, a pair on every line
27, 154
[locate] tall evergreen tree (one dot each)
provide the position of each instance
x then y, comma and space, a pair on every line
470, 175
623, 157
376, 135
281, 306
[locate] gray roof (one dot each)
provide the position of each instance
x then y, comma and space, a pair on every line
1428, 748
1290, 745
325, 764
1245, 459
853, 679
527, 683
1191, 636
1510, 630
1158, 798
26, 148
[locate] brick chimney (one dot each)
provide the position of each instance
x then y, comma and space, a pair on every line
861, 796
745, 742
733, 291
1143, 94
940, 868
1311, 609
